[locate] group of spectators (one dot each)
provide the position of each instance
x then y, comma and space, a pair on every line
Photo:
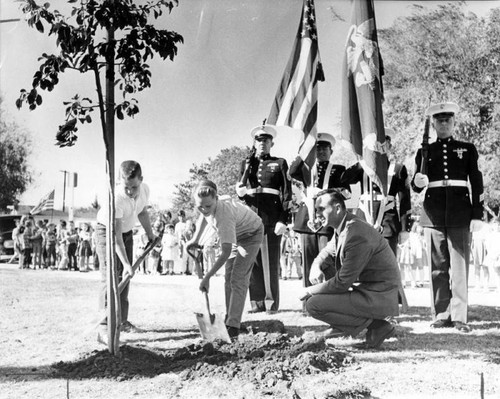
170, 257
44, 245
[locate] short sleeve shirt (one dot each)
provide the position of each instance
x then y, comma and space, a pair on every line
126, 208
233, 221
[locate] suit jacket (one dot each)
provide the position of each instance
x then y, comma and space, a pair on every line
451, 206
268, 172
366, 265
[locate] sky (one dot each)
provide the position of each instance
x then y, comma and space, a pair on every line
220, 85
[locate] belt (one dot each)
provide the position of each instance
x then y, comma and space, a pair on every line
263, 190
447, 183
378, 197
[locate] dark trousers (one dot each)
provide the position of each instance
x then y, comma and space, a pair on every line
72, 255
266, 277
449, 249
128, 240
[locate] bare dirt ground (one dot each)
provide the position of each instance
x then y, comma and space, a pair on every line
49, 349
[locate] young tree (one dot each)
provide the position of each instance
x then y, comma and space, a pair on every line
15, 148
94, 38
445, 54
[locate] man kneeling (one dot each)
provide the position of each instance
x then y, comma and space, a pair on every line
364, 289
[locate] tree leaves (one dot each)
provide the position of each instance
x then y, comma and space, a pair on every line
84, 47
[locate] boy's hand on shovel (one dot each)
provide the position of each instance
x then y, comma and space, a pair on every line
127, 269
205, 284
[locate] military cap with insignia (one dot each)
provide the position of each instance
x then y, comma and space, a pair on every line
325, 139
263, 131
442, 110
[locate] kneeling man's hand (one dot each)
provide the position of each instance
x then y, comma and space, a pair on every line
316, 275
304, 294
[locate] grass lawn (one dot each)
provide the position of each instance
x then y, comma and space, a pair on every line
46, 316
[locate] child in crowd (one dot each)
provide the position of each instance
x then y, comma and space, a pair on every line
62, 240
28, 243
154, 258
37, 242
293, 255
51, 245
418, 256
85, 247
72, 241
170, 252
240, 232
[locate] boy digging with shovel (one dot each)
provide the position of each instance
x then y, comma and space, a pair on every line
240, 231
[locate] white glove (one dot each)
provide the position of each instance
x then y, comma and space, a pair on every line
241, 190
304, 294
421, 180
316, 275
475, 225
279, 229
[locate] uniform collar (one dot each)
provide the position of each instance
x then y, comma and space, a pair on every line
446, 140
264, 157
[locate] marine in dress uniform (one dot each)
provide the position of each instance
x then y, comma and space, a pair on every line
265, 186
450, 211
322, 175
398, 205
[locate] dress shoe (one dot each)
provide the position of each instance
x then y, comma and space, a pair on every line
460, 326
442, 323
256, 310
376, 336
233, 332
271, 311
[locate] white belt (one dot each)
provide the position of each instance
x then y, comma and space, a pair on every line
263, 190
447, 183
378, 197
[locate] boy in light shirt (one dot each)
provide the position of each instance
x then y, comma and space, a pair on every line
131, 200
240, 231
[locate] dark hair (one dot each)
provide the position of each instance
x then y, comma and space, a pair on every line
336, 196
205, 188
130, 170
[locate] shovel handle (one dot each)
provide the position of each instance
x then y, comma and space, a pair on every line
207, 301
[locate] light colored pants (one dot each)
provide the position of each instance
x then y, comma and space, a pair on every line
449, 248
237, 278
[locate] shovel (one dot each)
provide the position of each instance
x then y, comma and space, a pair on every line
212, 328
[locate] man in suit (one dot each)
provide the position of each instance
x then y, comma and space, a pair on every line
322, 175
363, 257
449, 213
265, 186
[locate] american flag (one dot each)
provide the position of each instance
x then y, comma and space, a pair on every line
296, 102
45, 204
362, 94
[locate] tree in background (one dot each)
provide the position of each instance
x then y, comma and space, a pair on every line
99, 37
445, 54
223, 170
15, 149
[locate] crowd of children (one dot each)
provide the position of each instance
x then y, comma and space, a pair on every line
45, 245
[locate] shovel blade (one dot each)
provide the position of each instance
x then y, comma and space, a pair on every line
212, 327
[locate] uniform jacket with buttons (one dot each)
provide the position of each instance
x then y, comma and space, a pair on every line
268, 172
451, 206
399, 189
301, 171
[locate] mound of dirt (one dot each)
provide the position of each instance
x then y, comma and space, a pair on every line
266, 356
